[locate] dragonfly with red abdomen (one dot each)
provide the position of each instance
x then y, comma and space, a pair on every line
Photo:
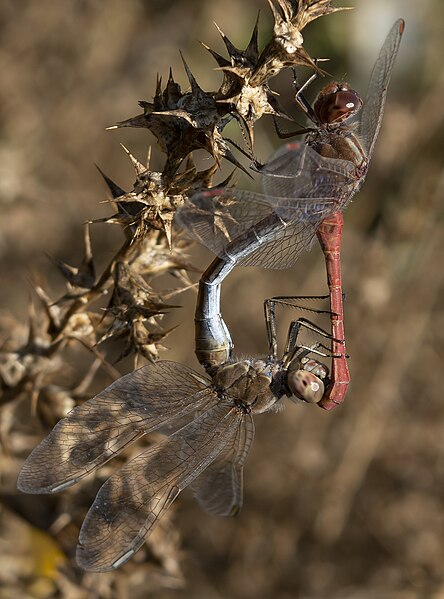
209, 423
306, 186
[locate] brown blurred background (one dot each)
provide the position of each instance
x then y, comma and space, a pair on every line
347, 504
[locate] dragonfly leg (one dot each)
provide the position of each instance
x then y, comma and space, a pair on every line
248, 154
301, 100
286, 134
270, 323
294, 349
305, 106
289, 301
311, 326
247, 136
270, 320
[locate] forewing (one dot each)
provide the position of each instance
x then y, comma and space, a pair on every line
301, 188
283, 247
131, 502
310, 187
371, 115
236, 224
218, 217
295, 170
103, 426
219, 488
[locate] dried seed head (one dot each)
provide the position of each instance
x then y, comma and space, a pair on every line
244, 91
28, 359
238, 94
309, 10
133, 306
183, 123
80, 279
153, 201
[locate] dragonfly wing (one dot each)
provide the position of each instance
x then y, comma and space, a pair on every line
371, 115
295, 170
283, 247
133, 500
217, 217
270, 230
103, 426
219, 488
235, 224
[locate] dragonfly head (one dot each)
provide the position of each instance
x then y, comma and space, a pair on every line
305, 379
336, 103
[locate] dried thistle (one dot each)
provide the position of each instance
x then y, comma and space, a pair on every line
134, 305
153, 201
183, 123
245, 90
285, 48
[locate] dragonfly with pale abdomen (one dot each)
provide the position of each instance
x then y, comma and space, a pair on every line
306, 187
209, 423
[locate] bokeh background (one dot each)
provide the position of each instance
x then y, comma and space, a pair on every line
345, 505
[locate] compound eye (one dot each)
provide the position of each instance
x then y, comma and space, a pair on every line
346, 103
306, 386
338, 106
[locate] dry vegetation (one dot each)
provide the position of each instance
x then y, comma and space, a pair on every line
345, 504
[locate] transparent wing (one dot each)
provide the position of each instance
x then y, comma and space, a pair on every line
217, 217
131, 502
283, 247
271, 229
295, 170
99, 429
371, 115
218, 489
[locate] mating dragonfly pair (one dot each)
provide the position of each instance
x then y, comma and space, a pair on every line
306, 186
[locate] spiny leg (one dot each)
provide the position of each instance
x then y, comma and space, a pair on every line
270, 315
301, 100
294, 349
287, 134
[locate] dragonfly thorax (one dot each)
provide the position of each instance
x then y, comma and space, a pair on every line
249, 383
339, 143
